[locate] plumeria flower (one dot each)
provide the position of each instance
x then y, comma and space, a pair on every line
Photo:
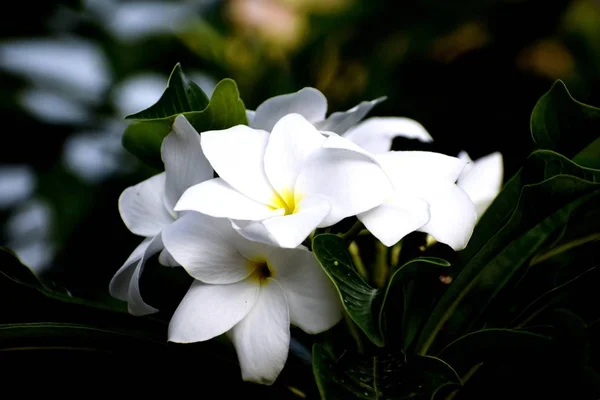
482, 179
312, 105
288, 182
373, 134
147, 208
426, 199
249, 290
377, 133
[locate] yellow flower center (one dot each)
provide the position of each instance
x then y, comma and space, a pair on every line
286, 200
261, 269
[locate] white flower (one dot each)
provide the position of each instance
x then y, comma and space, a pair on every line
312, 105
147, 208
482, 179
290, 181
249, 290
374, 134
425, 199
377, 133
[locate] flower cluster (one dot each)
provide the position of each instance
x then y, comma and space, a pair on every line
241, 235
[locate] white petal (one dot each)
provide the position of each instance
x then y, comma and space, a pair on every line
185, 163
262, 339
396, 218
453, 215
420, 167
314, 303
250, 116
237, 155
340, 122
119, 284
376, 134
142, 206
352, 182
308, 102
166, 259
218, 199
291, 143
335, 141
135, 304
208, 310
463, 155
289, 231
482, 180
199, 247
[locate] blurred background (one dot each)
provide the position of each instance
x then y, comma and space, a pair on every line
469, 70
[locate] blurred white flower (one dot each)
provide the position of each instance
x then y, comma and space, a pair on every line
138, 93
53, 108
133, 21
94, 156
74, 68
28, 232
16, 184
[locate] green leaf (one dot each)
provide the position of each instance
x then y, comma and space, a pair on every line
491, 345
555, 296
225, 109
181, 95
12, 269
389, 376
590, 155
563, 124
365, 305
429, 269
540, 166
144, 139
550, 189
359, 299
72, 337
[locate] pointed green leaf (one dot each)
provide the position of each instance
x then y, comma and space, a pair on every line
181, 95
493, 344
428, 269
555, 296
590, 155
360, 300
563, 124
388, 376
144, 139
13, 270
225, 109
550, 189
365, 305
72, 337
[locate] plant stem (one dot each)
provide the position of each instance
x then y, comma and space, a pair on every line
352, 232
355, 332
394, 255
381, 270
565, 247
358, 263
464, 379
